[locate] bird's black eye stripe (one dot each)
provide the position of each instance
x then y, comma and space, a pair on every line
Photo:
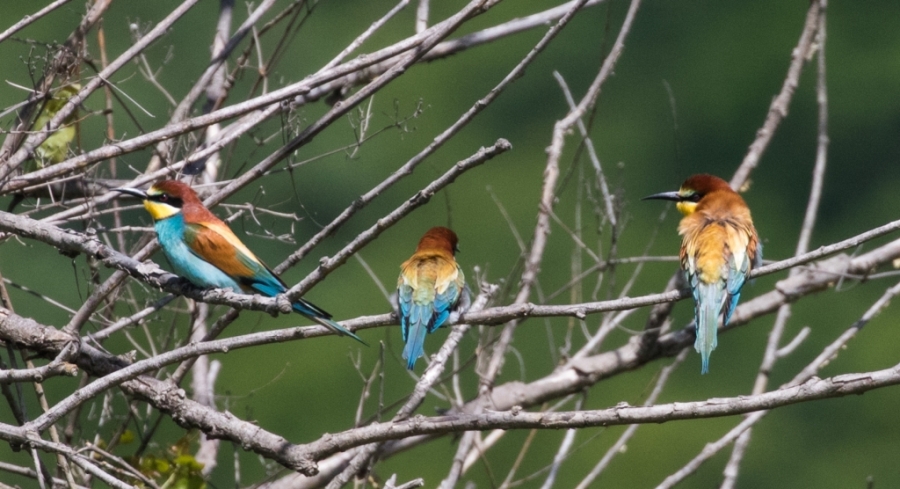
166, 199
692, 197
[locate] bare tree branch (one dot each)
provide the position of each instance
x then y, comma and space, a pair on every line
779, 108
147, 360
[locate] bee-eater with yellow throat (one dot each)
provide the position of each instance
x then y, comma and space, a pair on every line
719, 248
204, 250
430, 290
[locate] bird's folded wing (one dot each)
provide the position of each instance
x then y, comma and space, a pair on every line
447, 288
741, 245
217, 244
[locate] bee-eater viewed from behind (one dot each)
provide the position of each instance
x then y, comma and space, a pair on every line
430, 290
718, 249
204, 250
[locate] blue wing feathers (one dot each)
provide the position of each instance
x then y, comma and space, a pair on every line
265, 287
730, 304
735, 281
439, 320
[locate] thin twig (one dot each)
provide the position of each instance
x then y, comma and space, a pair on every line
778, 110
33, 141
563, 452
617, 447
772, 352
28, 19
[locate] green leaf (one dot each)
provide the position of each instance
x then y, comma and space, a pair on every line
56, 147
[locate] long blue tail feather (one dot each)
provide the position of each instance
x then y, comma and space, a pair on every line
710, 298
269, 285
311, 313
420, 318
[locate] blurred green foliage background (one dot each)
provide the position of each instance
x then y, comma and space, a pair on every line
688, 96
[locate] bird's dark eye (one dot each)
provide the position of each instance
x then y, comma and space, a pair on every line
694, 197
166, 199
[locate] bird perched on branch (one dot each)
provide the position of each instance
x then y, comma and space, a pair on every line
718, 250
430, 290
204, 250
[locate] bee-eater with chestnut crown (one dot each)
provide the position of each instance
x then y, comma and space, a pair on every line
430, 290
718, 249
204, 250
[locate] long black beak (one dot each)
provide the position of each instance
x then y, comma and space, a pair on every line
132, 191
665, 196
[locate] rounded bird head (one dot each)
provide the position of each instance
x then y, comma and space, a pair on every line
164, 199
692, 191
439, 238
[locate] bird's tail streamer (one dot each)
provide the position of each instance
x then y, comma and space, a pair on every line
419, 318
709, 305
327, 322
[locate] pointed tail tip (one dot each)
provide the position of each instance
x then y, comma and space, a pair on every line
357, 338
410, 358
704, 368
415, 348
345, 332
342, 331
